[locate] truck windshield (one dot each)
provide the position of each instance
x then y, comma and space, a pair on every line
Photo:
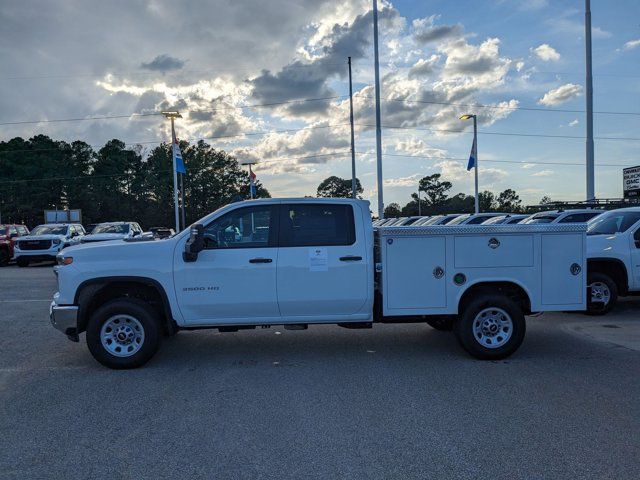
458, 220
117, 228
49, 230
612, 222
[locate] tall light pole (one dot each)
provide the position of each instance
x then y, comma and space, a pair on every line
172, 115
474, 155
378, 126
353, 143
589, 88
250, 178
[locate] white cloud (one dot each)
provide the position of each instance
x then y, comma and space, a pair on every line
416, 146
561, 94
410, 181
631, 44
546, 52
543, 173
573, 123
452, 170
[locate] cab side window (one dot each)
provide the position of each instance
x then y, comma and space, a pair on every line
316, 225
249, 227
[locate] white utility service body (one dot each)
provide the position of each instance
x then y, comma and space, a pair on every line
297, 262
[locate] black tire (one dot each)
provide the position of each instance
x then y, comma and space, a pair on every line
4, 257
147, 318
606, 282
490, 307
442, 324
22, 262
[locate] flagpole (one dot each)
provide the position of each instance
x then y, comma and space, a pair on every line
353, 148
184, 222
171, 115
475, 142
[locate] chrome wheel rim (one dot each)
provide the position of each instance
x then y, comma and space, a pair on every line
600, 293
492, 327
122, 335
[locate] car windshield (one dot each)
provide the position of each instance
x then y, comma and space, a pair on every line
49, 230
494, 220
542, 219
612, 222
458, 220
111, 228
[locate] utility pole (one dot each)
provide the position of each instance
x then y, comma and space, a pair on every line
353, 143
184, 222
474, 155
589, 88
171, 115
419, 206
378, 126
251, 185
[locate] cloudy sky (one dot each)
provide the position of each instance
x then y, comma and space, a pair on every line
268, 82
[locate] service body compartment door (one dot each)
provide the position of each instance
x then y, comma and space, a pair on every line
414, 274
563, 269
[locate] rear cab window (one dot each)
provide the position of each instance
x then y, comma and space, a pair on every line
316, 225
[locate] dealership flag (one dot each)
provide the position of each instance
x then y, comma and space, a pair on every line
177, 156
252, 184
473, 158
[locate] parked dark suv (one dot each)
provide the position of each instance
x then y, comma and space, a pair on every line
8, 234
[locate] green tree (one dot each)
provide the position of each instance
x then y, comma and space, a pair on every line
461, 203
509, 201
336, 187
435, 190
487, 201
392, 211
545, 200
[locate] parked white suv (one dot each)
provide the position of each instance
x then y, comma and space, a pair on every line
577, 215
113, 231
46, 241
613, 258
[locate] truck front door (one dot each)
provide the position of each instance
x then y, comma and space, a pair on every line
322, 262
234, 278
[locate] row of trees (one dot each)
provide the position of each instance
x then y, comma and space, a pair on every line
115, 182
434, 198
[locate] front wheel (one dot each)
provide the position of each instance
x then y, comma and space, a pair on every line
123, 333
4, 257
602, 293
22, 262
491, 327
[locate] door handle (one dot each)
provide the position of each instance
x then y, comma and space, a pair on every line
350, 258
260, 260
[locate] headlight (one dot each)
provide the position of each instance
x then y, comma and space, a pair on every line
64, 259
56, 242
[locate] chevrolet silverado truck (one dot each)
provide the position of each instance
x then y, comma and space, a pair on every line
300, 262
613, 258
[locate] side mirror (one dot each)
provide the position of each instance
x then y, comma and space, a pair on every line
195, 244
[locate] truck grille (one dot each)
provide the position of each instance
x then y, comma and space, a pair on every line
34, 244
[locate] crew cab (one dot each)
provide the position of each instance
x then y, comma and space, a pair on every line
104, 232
613, 258
298, 262
45, 241
8, 236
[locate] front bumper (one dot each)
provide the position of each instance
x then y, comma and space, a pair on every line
65, 319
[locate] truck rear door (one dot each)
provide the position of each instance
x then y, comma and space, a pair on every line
323, 261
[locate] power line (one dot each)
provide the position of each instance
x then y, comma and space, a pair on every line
90, 177
540, 135
136, 115
426, 157
500, 107
192, 142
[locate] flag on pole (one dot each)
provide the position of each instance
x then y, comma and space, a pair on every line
252, 184
473, 158
177, 155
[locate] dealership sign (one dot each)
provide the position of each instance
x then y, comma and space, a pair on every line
631, 182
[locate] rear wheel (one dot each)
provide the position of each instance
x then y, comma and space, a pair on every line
22, 262
491, 327
4, 257
124, 333
602, 293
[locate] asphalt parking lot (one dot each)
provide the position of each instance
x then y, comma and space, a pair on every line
396, 401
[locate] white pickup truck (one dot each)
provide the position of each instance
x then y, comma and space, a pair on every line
613, 257
296, 262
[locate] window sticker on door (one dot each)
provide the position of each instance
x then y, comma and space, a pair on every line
318, 260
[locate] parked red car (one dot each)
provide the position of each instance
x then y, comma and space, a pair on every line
8, 234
